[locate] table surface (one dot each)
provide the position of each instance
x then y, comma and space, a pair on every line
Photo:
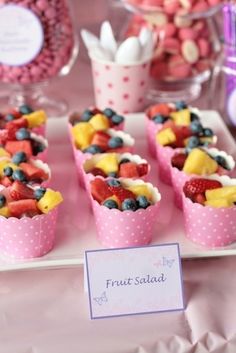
46, 311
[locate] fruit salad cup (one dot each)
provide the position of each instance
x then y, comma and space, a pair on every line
173, 138
115, 165
196, 164
125, 211
86, 141
210, 211
27, 220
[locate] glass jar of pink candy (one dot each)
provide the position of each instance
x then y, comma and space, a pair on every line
187, 43
37, 44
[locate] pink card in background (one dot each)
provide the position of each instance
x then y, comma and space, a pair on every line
131, 281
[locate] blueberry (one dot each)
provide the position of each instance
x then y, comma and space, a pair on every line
2, 200
112, 174
180, 105
129, 205
18, 174
110, 204
194, 117
159, 119
108, 112
93, 149
113, 182
221, 161
25, 109
208, 132
9, 117
124, 160
193, 142
19, 157
22, 134
7, 171
115, 142
196, 126
37, 147
117, 119
142, 201
38, 193
86, 115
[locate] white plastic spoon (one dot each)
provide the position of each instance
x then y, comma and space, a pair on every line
129, 51
107, 39
89, 39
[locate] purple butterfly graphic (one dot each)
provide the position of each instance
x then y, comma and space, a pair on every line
102, 299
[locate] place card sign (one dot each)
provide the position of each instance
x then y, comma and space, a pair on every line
131, 281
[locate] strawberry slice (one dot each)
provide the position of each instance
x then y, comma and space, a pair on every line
178, 160
121, 193
98, 171
19, 191
6, 181
101, 139
162, 109
15, 146
17, 124
199, 186
199, 198
23, 207
3, 136
128, 170
100, 190
142, 169
33, 172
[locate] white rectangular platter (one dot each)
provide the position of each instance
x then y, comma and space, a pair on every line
76, 229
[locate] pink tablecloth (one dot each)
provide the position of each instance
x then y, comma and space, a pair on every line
46, 311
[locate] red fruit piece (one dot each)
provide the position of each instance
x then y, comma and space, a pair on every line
3, 136
128, 170
101, 139
199, 198
15, 146
6, 181
178, 160
15, 113
121, 149
100, 190
199, 186
16, 124
23, 207
181, 133
121, 193
98, 171
162, 109
142, 169
33, 172
19, 191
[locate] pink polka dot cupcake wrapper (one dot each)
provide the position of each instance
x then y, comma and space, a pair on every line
124, 228
123, 88
208, 226
42, 155
164, 155
27, 238
151, 131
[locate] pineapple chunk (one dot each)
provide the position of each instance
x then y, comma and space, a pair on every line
182, 117
50, 200
200, 163
141, 190
36, 119
109, 163
226, 192
218, 203
4, 211
166, 137
4, 153
83, 134
99, 122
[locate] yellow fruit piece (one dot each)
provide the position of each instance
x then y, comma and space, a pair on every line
219, 203
141, 190
36, 118
4, 153
200, 163
109, 163
206, 140
166, 137
182, 117
99, 122
83, 134
50, 200
226, 192
7, 163
4, 211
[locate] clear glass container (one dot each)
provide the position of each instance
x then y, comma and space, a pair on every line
37, 44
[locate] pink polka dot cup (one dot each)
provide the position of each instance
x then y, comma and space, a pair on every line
123, 88
209, 226
117, 228
164, 154
27, 238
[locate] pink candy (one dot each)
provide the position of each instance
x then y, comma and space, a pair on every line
57, 47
